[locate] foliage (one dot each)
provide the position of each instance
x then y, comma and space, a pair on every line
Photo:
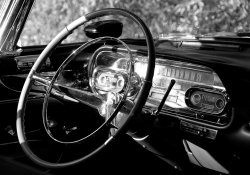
161, 16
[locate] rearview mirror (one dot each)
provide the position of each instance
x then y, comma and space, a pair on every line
111, 28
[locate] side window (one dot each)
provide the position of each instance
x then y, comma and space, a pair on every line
47, 19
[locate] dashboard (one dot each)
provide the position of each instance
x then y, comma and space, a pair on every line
198, 98
199, 101
199, 104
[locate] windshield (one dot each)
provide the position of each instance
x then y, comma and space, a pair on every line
165, 18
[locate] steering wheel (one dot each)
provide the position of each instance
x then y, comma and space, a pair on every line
35, 76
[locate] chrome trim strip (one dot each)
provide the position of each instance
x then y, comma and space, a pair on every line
13, 17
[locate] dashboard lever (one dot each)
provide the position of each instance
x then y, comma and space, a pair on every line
171, 84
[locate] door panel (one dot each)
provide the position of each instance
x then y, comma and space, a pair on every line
13, 72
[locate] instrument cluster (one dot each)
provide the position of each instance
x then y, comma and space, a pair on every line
197, 94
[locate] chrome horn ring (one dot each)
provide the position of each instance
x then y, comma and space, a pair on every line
110, 117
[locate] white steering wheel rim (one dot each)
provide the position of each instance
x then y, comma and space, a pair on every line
45, 54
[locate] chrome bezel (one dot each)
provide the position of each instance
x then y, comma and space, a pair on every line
127, 72
95, 89
206, 89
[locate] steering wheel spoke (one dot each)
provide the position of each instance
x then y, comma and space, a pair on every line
82, 96
43, 81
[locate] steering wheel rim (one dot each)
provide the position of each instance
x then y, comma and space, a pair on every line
142, 96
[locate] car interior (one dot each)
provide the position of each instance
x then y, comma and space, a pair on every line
111, 105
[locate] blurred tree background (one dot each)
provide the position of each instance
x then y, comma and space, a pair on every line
48, 17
